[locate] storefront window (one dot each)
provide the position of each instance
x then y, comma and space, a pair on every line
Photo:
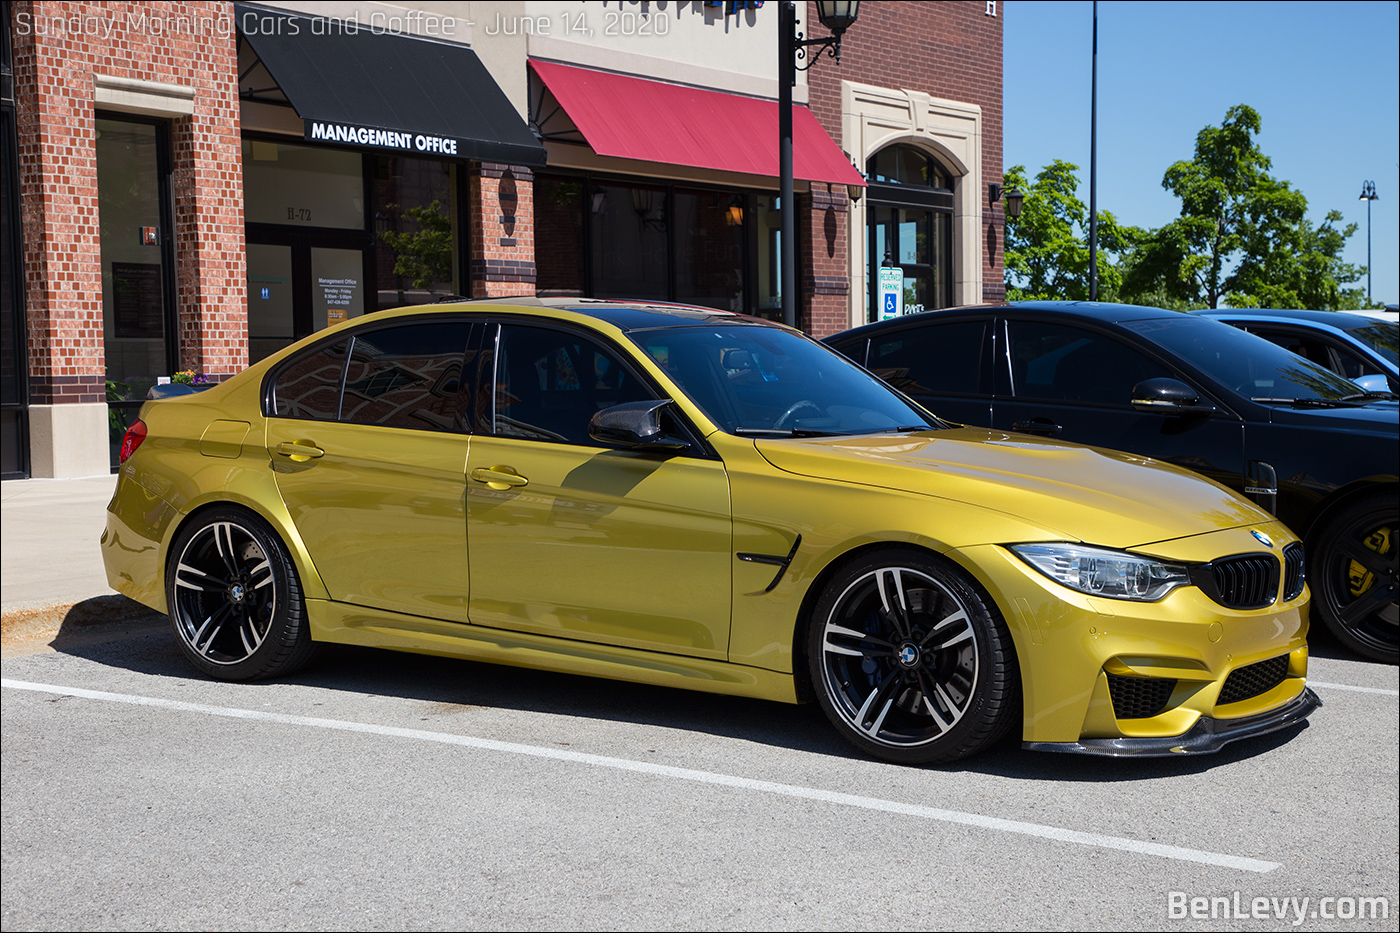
628, 233
302, 186
559, 250
609, 239
135, 238
415, 230
710, 249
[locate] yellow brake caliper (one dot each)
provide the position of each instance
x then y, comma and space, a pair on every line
1359, 578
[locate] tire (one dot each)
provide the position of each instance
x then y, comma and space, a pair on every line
910, 661
1352, 570
234, 598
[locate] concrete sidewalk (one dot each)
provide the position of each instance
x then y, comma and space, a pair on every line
50, 558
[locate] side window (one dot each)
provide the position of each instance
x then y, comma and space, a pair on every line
1060, 363
549, 383
309, 387
942, 359
1306, 346
407, 376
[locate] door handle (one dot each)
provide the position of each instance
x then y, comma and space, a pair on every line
1045, 427
300, 451
498, 477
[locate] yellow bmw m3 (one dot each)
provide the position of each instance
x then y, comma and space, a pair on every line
691, 498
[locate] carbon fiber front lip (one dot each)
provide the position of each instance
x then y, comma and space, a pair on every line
1206, 736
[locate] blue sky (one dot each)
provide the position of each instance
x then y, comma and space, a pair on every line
1321, 75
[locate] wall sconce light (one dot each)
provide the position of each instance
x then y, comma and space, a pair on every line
734, 215
1014, 198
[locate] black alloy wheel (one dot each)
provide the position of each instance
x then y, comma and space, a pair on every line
911, 661
234, 598
1354, 576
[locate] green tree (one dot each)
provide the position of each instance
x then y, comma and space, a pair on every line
1047, 246
423, 255
1242, 237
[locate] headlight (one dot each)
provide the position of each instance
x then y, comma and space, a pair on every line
1100, 572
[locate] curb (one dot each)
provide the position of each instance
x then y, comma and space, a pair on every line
28, 620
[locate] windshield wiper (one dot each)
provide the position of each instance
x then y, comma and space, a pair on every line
1302, 402
787, 432
902, 429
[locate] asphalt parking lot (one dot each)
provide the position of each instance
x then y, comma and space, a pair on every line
384, 790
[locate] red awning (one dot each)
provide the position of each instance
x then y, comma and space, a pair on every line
633, 118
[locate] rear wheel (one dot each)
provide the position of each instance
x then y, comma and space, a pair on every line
1353, 576
910, 661
234, 598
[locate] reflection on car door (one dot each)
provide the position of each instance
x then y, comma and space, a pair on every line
374, 477
570, 538
1075, 384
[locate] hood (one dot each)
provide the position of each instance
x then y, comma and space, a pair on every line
1085, 493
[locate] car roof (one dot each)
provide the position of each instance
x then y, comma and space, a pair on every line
1341, 319
624, 315
1104, 311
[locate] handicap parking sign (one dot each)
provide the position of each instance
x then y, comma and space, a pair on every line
891, 293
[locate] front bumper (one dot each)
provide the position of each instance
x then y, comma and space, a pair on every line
1201, 662
1206, 736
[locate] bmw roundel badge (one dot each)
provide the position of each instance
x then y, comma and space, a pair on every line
1262, 538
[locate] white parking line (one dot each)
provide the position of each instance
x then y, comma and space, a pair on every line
685, 774
1381, 690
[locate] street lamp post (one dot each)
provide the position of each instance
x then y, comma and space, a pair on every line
837, 16
1368, 194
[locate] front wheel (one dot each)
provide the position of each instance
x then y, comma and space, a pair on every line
234, 598
910, 661
1353, 576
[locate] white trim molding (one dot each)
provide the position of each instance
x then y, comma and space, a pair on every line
873, 118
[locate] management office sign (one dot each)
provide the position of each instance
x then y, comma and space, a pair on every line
372, 137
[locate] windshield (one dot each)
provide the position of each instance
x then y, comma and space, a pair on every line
1382, 336
765, 381
1250, 365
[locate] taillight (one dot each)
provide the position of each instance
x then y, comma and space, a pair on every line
134, 436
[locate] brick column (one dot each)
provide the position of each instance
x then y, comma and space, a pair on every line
159, 53
824, 219
502, 230
211, 257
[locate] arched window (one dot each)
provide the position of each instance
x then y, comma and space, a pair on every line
910, 226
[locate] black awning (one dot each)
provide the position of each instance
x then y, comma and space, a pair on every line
354, 85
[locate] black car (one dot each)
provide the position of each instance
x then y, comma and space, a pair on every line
1304, 443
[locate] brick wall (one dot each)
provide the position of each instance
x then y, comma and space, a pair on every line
57, 48
951, 50
502, 230
825, 279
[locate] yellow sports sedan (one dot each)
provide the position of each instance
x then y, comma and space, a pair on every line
692, 498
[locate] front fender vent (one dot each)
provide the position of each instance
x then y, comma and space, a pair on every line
1139, 697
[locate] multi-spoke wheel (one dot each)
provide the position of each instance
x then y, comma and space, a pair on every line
1353, 576
234, 598
910, 661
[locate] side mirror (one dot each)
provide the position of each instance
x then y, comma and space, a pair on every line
1168, 396
635, 424
1375, 382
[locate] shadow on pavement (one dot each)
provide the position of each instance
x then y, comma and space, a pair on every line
140, 641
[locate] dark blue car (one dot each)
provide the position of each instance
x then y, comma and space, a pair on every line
1312, 447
